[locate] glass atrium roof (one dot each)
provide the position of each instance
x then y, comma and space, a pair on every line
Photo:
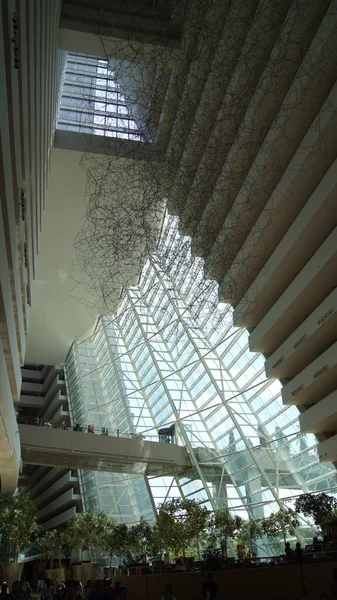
171, 357
91, 100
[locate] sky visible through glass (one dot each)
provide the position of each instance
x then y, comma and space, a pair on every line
91, 101
171, 356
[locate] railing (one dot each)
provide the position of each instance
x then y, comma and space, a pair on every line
230, 563
36, 421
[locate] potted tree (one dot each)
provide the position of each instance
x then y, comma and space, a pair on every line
87, 530
224, 525
141, 538
18, 526
247, 534
49, 545
179, 522
156, 547
117, 542
283, 522
318, 507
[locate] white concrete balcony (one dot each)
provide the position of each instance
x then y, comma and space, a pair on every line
67, 481
60, 519
321, 417
302, 296
316, 381
307, 342
306, 234
327, 450
62, 501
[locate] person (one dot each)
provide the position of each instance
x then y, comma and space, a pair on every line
333, 589
17, 593
109, 592
48, 590
180, 565
298, 553
40, 586
60, 590
4, 591
168, 593
72, 590
87, 589
210, 588
288, 551
26, 588
96, 590
121, 591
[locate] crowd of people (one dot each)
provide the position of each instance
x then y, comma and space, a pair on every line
66, 590
93, 590
107, 590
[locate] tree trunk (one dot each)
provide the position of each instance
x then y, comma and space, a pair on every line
56, 574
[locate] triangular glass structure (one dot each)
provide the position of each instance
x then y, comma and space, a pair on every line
170, 359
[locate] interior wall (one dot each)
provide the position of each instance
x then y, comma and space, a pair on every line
57, 318
256, 583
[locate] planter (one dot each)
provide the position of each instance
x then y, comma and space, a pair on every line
84, 572
55, 574
213, 565
11, 572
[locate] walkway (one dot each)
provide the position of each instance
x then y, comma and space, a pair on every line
76, 450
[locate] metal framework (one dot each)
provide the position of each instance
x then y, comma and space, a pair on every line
171, 356
91, 100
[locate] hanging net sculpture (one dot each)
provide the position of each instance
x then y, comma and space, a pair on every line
211, 109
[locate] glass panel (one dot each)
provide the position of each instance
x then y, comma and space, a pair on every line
193, 383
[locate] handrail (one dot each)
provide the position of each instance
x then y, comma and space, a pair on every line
36, 421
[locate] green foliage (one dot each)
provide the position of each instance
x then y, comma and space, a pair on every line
332, 518
210, 554
117, 540
50, 544
87, 530
18, 524
283, 522
179, 522
316, 506
141, 538
223, 525
249, 532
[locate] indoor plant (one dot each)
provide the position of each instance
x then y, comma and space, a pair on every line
318, 507
283, 522
18, 526
224, 525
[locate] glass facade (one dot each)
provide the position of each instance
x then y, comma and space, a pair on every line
170, 358
92, 102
